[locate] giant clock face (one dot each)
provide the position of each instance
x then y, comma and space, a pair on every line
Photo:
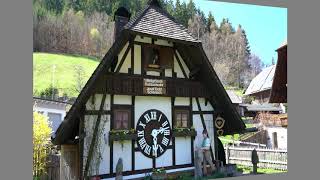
154, 133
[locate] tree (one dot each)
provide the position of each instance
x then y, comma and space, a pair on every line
211, 23
41, 143
196, 26
56, 6
225, 27
79, 78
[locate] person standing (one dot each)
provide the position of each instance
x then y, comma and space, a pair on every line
205, 148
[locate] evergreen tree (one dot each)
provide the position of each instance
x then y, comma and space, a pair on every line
55, 6
211, 22
191, 9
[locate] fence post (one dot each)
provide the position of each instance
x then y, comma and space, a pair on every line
228, 155
254, 160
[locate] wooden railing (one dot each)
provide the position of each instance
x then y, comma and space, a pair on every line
133, 85
268, 158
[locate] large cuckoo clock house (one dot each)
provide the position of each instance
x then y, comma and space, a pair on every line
147, 103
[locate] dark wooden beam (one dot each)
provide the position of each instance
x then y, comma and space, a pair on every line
94, 137
173, 138
124, 57
111, 127
81, 141
191, 124
133, 141
132, 58
96, 112
202, 112
180, 64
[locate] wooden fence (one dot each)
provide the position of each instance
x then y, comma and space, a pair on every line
268, 158
53, 168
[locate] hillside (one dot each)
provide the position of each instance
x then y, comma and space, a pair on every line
68, 70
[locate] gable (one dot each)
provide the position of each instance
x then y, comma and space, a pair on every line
156, 22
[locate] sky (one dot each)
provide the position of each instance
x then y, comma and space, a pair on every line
265, 26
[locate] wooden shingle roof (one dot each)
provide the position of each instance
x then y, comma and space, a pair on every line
153, 20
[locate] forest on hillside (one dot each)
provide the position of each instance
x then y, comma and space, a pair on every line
85, 27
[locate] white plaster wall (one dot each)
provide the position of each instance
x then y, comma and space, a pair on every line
281, 136
122, 99
177, 68
203, 106
142, 104
142, 162
144, 39
163, 160
137, 59
163, 42
121, 53
182, 101
183, 150
185, 67
122, 151
103, 138
153, 73
199, 128
194, 105
97, 102
168, 72
126, 64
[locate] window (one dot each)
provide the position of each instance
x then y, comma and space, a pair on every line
121, 119
182, 118
275, 139
55, 119
157, 57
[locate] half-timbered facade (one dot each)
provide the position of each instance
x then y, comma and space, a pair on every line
147, 103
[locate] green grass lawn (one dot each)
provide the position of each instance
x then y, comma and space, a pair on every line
247, 170
65, 74
224, 139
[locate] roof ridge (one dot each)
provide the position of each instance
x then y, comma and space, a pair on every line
137, 17
174, 20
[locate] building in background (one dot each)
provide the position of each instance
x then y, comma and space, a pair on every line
279, 86
260, 86
55, 110
236, 101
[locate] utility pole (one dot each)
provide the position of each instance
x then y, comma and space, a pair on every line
52, 81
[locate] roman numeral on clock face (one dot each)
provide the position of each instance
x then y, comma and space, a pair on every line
147, 150
140, 133
147, 117
142, 142
166, 132
165, 141
164, 123
141, 124
153, 115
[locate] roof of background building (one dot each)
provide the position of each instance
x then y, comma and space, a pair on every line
261, 107
262, 82
235, 99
